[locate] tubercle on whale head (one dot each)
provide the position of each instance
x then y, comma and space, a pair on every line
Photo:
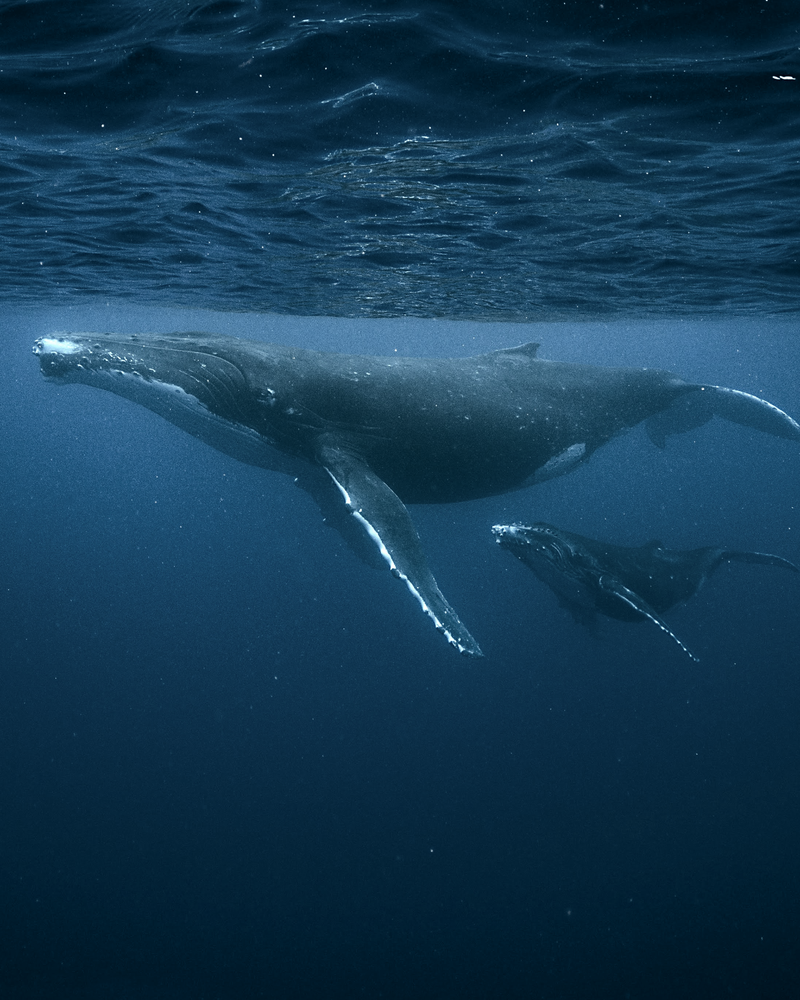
56, 345
77, 357
521, 532
500, 530
62, 356
527, 541
509, 536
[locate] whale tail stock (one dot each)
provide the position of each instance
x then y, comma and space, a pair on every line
702, 402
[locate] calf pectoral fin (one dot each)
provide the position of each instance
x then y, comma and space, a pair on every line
388, 524
614, 587
697, 406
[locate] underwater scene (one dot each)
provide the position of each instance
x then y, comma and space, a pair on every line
400, 525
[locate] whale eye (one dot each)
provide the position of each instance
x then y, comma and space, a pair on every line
267, 397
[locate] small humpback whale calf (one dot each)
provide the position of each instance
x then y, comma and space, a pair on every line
629, 584
368, 435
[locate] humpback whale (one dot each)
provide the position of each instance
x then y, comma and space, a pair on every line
367, 435
630, 584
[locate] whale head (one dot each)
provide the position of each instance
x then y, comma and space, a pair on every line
200, 383
182, 363
541, 544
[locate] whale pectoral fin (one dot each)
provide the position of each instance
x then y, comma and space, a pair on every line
611, 585
317, 483
387, 522
702, 402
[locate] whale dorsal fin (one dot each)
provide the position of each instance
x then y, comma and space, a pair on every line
525, 350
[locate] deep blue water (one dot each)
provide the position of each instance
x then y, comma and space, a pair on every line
234, 761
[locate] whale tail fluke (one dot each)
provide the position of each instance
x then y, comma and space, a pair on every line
695, 408
751, 411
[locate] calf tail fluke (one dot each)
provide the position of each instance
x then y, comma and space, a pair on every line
762, 558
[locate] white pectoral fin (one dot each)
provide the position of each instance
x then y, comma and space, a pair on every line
618, 589
387, 522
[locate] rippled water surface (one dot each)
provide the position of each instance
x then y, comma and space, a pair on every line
434, 159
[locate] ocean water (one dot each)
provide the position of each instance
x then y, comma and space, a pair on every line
234, 761
433, 159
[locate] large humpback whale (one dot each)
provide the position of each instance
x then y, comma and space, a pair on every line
629, 584
380, 432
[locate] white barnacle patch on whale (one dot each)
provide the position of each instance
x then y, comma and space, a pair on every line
51, 345
501, 531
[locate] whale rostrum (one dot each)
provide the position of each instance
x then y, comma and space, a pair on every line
368, 435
